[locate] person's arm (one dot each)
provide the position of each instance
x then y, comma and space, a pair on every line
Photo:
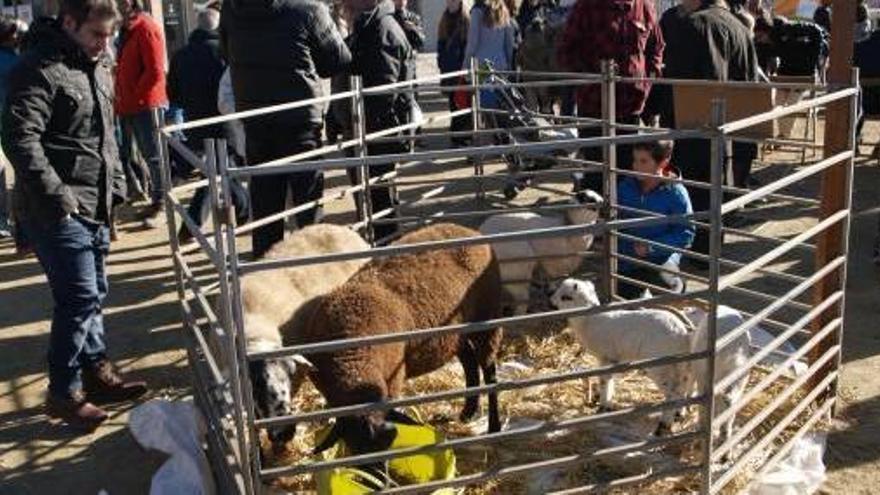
25, 118
656, 43
152, 52
509, 44
415, 31
570, 51
173, 83
681, 234
441, 49
473, 39
331, 53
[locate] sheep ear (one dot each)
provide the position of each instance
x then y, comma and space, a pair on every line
301, 360
588, 196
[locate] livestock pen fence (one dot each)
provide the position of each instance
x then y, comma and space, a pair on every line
770, 283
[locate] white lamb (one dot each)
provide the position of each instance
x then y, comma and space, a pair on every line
517, 275
628, 335
273, 304
733, 357
631, 335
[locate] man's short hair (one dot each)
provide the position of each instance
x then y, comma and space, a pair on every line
660, 151
208, 19
83, 10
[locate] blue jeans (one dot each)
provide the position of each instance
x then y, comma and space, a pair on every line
72, 253
138, 128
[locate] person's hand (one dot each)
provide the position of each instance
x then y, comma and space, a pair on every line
641, 249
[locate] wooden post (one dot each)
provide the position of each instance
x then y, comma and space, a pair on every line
835, 190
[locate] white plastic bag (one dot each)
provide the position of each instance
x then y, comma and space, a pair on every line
177, 429
802, 472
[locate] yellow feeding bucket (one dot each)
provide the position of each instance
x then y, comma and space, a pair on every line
430, 466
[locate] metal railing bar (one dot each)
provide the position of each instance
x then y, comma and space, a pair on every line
544, 233
697, 278
194, 229
780, 302
781, 368
704, 257
557, 463
784, 182
730, 230
216, 375
483, 151
687, 182
757, 357
787, 446
186, 153
778, 400
649, 476
462, 329
505, 386
246, 114
785, 111
441, 216
783, 249
524, 432
770, 436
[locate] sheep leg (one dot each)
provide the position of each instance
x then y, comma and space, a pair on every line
489, 377
606, 392
468, 358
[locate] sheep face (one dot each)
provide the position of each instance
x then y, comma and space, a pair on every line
275, 382
573, 293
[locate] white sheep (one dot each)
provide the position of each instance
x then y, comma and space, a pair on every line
517, 275
733, 357
631, 335
274, 301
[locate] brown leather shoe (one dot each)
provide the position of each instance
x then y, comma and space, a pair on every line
102, 384
76, 412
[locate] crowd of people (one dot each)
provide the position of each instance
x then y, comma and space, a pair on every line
82, 89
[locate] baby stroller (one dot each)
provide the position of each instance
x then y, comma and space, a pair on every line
522, 126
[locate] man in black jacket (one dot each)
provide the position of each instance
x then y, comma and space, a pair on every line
278, 51
58, 135
381, 54
193, 82
714, 45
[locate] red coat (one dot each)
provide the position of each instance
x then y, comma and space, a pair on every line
625, 31
140, 70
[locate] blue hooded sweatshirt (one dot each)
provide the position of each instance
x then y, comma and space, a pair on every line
669, 198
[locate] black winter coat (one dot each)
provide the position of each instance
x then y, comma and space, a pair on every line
193, 80
278, 50
380, 55
58, 131
800, 46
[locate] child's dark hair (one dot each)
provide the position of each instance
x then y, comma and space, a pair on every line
660, 151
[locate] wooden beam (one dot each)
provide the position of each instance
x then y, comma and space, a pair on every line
836, 187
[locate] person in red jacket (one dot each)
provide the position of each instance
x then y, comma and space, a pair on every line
140, 89
626, 32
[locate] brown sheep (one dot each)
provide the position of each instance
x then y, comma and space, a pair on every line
394, 294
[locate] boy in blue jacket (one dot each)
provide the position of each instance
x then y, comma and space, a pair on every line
653, 194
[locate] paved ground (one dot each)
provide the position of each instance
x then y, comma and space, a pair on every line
39, 458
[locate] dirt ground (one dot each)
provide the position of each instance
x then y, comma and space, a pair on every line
142, 318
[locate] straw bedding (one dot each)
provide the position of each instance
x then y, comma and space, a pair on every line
546, 353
